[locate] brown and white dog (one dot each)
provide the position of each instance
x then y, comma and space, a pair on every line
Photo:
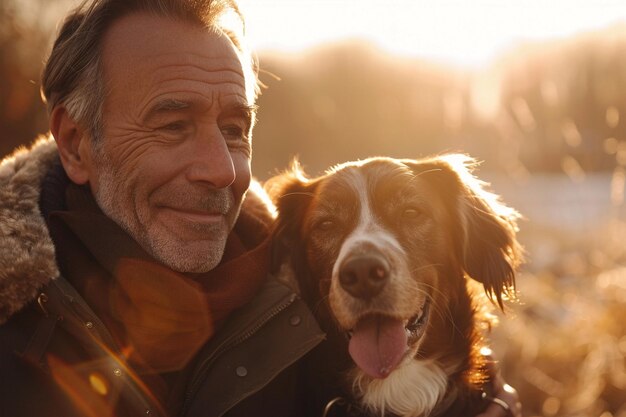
382, 248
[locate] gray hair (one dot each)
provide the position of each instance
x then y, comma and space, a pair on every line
73, 75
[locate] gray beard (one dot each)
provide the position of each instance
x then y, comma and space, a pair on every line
160, 243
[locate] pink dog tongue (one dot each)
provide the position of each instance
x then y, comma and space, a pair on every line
377, 345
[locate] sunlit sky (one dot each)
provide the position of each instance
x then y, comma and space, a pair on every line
461, 32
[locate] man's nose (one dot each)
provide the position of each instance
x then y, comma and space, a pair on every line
211, 161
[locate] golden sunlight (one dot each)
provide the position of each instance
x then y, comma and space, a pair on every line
534, 90
465, 33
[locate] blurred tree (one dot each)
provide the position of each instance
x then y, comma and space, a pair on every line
549, 107
26, 27
568, 88
349, 101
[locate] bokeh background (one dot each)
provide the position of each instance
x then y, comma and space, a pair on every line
536, 90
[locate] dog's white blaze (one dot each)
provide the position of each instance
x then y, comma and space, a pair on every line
369, 232
413, 390
367, 229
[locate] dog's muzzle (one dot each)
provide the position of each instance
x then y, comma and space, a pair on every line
364, 276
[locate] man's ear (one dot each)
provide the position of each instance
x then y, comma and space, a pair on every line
73, 145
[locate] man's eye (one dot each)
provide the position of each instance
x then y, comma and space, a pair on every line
174, 126
233, 132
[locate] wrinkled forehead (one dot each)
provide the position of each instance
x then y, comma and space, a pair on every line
143, 49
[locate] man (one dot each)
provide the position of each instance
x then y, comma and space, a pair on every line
133, 274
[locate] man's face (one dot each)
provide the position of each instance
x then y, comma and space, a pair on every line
175, 158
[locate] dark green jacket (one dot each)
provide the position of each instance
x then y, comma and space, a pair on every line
58, 359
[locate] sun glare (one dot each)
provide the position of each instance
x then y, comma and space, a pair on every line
465, 33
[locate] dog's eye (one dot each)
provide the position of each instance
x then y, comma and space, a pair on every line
411, 213
325, 225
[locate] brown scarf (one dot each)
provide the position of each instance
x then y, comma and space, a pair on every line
159, 316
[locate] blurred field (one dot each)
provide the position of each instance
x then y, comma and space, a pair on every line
563, 345
549, 122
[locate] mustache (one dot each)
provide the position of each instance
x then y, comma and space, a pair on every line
211, 201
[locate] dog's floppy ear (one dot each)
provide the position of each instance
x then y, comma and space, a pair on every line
489, 251
291, 193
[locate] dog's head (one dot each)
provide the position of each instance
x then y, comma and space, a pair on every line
385, 245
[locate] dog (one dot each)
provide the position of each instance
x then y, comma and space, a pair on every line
389, 253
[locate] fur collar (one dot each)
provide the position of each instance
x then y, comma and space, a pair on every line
27, 258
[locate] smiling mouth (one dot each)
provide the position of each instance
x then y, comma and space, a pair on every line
378, 343
196, 216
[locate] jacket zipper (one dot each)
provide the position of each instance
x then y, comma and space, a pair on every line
228, 344
85, 311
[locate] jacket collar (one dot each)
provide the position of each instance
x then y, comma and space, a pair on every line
27, 258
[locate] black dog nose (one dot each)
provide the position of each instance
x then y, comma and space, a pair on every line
364, 276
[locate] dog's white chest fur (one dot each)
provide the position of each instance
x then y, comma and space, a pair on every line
412, 390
